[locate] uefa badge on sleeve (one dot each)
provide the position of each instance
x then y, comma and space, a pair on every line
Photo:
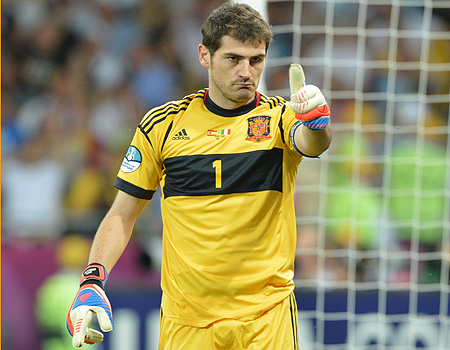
132, 160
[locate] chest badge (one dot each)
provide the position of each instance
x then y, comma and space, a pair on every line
258, 129
219, 134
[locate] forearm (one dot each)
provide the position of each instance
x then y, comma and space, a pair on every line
110, 241
313, 142
115, 230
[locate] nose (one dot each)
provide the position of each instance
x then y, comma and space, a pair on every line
245, 69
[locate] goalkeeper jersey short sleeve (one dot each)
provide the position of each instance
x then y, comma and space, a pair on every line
227, 180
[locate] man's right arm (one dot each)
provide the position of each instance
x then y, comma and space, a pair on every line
115, 230
110, 241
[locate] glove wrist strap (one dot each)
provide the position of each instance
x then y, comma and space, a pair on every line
94, 273
317, 124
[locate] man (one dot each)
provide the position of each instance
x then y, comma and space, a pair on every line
226, 159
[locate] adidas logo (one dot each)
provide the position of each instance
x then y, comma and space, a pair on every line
181, 135
85, 297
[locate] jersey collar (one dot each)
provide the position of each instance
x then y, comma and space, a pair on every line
212, 107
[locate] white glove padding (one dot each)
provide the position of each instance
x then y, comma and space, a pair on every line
82, 334
90, 299
307, 101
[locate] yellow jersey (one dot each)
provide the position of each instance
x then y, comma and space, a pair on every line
227, 180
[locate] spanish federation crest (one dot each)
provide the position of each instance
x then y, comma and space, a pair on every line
258, 129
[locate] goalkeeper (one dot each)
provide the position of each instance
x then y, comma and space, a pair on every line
226, 158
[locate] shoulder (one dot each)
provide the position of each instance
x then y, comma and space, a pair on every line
166, 113
272, 101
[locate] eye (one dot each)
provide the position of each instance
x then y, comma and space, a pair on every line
257, 59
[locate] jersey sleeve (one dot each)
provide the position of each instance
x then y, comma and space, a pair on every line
289, 125
141, 170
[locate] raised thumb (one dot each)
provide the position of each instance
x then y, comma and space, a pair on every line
296, 78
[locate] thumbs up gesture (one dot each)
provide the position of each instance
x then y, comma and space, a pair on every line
307, 101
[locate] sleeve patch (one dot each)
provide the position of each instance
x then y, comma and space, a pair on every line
132, 160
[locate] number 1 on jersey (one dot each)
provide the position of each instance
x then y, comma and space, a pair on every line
217, 164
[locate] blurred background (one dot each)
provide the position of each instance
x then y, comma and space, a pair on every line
373, 213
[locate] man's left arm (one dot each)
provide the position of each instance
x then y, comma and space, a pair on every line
312, 143
312, 135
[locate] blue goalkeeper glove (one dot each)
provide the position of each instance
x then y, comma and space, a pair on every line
307, 101
90, 299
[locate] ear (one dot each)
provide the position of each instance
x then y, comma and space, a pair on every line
204, 56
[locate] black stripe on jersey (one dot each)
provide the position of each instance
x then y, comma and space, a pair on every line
200, 94
166, 135
157, 111
161, 112
264, 99
273, 101
280, 124
167, 109
146, 136
133, 190
294, 319
147, 131
149, 125
216, 174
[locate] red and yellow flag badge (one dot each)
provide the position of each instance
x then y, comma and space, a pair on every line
258, 129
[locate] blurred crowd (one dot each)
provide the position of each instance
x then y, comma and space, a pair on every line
78, 75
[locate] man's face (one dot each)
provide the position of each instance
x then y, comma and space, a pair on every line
234, 71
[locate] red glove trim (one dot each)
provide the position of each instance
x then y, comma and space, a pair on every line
322, 111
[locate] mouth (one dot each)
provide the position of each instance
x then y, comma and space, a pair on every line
247, 85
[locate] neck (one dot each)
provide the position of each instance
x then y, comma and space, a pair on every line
225, 103
231, 112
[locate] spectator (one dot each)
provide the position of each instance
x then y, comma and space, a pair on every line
33, 189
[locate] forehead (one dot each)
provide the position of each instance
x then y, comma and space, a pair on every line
248, 48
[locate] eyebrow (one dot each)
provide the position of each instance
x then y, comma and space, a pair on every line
240, 56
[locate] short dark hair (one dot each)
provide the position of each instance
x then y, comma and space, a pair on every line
239, 21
